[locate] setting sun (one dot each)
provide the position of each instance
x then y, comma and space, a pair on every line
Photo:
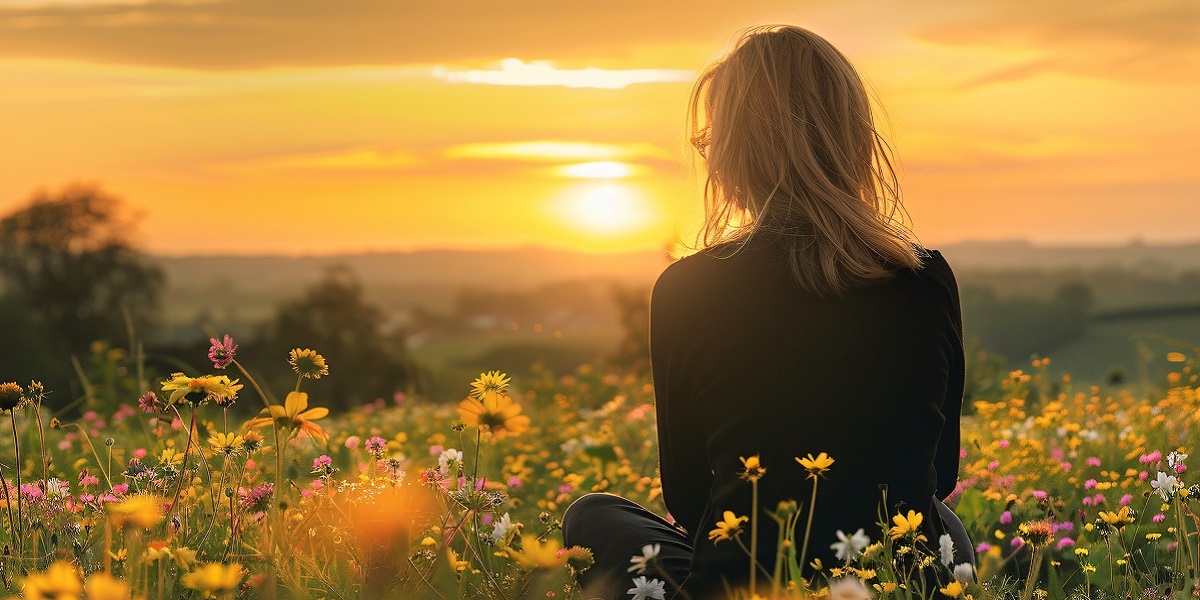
606, 208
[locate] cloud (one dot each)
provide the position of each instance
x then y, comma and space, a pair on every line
1147, 40
558, 151
514, 71
237, 34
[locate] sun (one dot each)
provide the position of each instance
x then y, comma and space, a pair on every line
605, 208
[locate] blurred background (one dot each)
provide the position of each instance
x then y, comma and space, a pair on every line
422, 191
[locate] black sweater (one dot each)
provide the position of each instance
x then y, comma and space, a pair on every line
746, 362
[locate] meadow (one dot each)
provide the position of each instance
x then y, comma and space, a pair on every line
163, 491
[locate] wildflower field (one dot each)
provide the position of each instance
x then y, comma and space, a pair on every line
166, 493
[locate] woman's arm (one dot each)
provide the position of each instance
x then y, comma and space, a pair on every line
683, 460
946, 460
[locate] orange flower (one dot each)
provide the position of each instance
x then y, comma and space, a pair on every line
294, 414
495, 412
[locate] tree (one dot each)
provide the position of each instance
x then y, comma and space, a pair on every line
68, 259
334, 318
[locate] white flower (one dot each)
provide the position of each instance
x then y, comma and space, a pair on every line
447, 457
965, 573
57, 487
501, 527
649, 553
946, 549
1176, 458
848, 588
1165, 485
850, 547
643, 589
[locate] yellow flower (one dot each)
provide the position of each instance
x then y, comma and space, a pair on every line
456, 564
60, 581
140, 511
753, 469
184, 557
170, 457
294, 414
1089, 568
495, 412
1081, 552
218, 388
816, 466
535, 555
11, 396
492, 381
214, 579
1116, 519
728, 528
907, 525
102, 586
308, 363
226, 443
954, 589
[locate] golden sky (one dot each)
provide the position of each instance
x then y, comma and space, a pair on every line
319, 126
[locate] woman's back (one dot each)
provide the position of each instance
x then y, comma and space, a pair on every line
746, 362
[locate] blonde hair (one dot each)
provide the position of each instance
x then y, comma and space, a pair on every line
791, 151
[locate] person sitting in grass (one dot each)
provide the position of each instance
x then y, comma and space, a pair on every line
811, 321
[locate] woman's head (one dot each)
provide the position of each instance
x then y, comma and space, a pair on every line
785, 128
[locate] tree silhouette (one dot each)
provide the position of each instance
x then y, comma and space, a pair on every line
68, 259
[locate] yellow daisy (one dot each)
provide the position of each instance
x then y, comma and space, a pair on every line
728, 528
495, 412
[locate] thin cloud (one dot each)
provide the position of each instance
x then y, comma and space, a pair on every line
557, 151
514, 71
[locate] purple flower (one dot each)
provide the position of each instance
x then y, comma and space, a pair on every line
148, 402
1159, 518
1063, 543
221, 353
1093, 462
257, 498
983, 547
1005, 518
1017, 542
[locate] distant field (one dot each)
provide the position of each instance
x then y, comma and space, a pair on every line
1109, 344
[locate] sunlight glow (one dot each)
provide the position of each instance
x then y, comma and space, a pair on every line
606, 208
598, 170
514, 71
555, 151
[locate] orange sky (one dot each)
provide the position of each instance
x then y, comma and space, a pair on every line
312, 126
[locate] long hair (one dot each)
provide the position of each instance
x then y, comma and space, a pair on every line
784, 126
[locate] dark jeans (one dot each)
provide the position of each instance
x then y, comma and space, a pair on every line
615, 529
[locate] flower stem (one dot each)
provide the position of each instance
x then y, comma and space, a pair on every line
12, 415
753, 535
812, 505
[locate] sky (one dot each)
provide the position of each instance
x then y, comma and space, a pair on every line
317, 127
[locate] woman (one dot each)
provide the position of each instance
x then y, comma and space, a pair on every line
810, 322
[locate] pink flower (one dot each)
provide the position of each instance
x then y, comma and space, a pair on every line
1087, 501
1089, 484
221, 352
1172, 546
962, 452
992, 466
1099, 499
983, 547
1159, 518
1153, 457
90, 415
486, 519
1003, 443
148, 402
1179, 468
352, 442
139, 453
1056, 454
1093, 462
1039, 494
436, 450
1017, 542
176, 423
1005, 518
1066, 466
250, 465
1126, 499
514, 482
322, 462
120, 488
1064, 542
1143, 475
87, 498
377, 446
